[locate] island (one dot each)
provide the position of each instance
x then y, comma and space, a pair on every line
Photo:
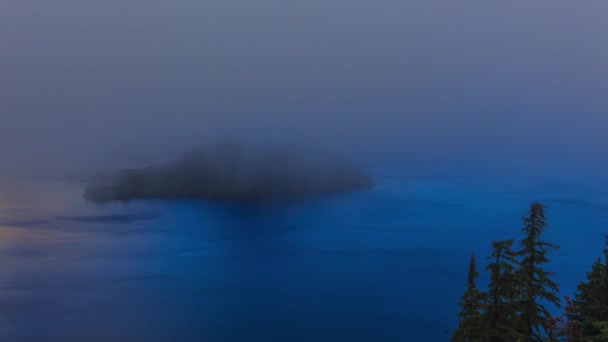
231, 174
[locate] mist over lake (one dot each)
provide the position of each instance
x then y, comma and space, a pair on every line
387, 263
303, 170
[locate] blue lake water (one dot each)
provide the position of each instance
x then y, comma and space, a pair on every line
388, 264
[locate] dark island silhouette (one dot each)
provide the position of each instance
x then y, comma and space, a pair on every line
231, 173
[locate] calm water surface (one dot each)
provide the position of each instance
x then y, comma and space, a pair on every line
387, 264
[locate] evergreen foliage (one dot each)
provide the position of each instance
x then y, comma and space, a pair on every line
513, 308
534, 282
471, 304
499, 319
591, 299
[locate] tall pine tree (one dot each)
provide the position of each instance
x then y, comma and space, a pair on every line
534, 283
471, 303
499, 318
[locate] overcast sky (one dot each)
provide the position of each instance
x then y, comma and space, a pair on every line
424, 84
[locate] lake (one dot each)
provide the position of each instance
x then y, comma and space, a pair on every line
386, 264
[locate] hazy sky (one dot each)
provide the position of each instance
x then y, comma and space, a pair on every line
431, 85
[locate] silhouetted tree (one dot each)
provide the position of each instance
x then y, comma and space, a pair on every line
471, 304
534, 283
591, 299
587, 309
499, 319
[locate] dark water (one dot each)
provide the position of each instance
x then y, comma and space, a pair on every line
387, 264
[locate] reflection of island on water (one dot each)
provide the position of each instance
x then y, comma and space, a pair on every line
230, 173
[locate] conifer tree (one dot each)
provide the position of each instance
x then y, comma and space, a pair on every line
471, 304
499, 318
587, 310
591, 298
602, 335
534, 283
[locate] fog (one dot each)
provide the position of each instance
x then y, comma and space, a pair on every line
415, 87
